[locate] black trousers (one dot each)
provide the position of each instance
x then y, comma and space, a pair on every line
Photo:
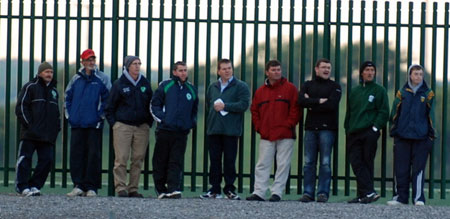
362, 148
410, 159
168, 160
45, 152
86, 158
227, 146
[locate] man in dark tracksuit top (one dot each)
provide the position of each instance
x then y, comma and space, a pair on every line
174, 107
127, 112
227, 100
85, 96
320, 97
412, 128
38, 113
367, 113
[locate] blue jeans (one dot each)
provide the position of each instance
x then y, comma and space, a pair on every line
318, 141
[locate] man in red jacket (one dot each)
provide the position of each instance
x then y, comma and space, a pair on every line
275, 113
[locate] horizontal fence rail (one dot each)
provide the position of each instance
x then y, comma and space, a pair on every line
249, 32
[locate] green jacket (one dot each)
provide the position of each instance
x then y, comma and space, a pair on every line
367, 106
236, 97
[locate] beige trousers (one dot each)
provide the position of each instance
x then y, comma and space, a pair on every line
129, 139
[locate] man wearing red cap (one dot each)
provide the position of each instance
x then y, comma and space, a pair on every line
85, 97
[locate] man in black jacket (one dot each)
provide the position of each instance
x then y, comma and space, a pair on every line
320, 97
127, 111
38, 113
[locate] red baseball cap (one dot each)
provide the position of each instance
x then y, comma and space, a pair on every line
87, 54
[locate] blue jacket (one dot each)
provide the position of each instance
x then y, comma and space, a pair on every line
174, 105
85, 99
412, 114
129, 101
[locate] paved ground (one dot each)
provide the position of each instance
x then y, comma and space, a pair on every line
60, 206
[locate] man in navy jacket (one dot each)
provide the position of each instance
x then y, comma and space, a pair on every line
86, 95
174, 107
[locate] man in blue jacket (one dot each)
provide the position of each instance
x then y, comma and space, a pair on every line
412, 128
174, 107
85, 97
38, 113
127, 111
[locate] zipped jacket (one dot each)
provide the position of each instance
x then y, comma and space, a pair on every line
236, 97
412, 114
174, 106
320, 116
38, 112
85, 100
275, 111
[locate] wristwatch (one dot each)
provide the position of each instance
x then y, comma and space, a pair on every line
374, 129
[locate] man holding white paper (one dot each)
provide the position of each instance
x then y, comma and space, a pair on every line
227, 99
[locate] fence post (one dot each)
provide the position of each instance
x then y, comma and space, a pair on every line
7, 96
326, 30
444, 107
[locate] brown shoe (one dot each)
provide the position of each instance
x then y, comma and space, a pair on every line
122, 194
135, 195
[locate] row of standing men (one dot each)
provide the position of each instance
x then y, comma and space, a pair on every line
130, 107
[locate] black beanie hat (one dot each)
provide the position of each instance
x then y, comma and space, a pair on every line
365, 65
128, 60
44, 66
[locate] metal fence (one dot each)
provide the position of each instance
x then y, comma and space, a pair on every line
200, 32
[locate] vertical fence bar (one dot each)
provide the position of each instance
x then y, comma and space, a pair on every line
91, 22
410, 32
7, 96
55, 70
32, 27
315, 33
337, 76
207, 80
291, 43
385, 84
326, 30
102, 39
220, 34
374, 30
66, 81
362, 43
196, 69
172, 36
267, 50
433, 87
349, 88
185, 13
137, 44
397, 47
114, 73
444, 106
161, 41
43, 50
19, 70
149, 78
254, 87
302, 79
78, 48
232, 27
125, 27
279, 48
423, 17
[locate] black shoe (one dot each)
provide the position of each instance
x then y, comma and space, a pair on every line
306, 198
254, 197
372, 197
122, 194
274, 198
232, 196
354, 201
322, 198
135, 195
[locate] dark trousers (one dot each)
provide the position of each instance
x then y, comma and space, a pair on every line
86, 158
362, 148
410, 159
226, 145
45, 152
168, 160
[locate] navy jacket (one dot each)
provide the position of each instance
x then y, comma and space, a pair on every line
128, 103
174, 105
412, 114
86, 97
38, 112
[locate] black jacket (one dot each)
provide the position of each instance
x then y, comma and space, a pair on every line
38, 112
320, 116
129, 104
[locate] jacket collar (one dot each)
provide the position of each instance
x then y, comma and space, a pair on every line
276, 84
130, 79
42, 82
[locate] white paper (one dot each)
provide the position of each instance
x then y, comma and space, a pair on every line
222, 112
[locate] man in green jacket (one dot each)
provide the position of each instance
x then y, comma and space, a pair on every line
227, 100
367, 113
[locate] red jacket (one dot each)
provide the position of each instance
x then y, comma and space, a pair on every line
275, 111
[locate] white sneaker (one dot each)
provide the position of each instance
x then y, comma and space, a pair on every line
26, 192
91, 193
75, 192
393, 202
419, 203
162, 196
35, 191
